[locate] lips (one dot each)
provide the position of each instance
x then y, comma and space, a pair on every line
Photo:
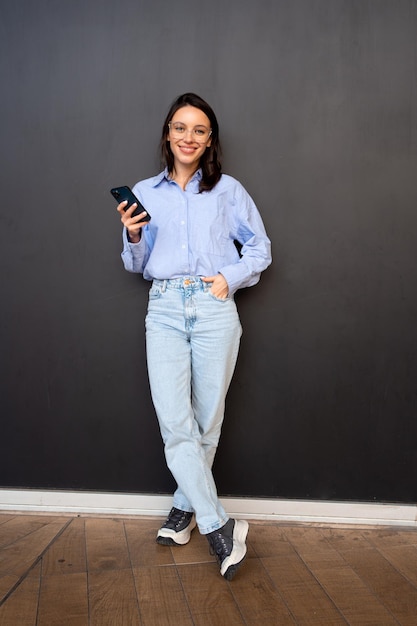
187, 149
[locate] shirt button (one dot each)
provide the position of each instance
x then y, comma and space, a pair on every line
183, 246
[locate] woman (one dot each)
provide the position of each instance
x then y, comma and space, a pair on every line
188, 249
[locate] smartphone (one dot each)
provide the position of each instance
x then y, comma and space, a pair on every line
125, 193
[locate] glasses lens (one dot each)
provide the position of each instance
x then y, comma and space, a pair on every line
199, 133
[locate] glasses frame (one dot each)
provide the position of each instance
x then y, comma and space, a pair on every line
187, 130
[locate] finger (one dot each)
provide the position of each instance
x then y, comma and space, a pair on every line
131, 209
126, 216
133, 226
137, 219
122, 206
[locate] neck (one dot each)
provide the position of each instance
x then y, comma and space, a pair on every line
183, 175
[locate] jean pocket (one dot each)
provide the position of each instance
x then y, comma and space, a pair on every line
155, 292
211, 294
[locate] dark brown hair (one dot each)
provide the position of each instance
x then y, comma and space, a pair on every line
210, 163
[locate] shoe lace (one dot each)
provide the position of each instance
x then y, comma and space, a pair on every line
218, 546
177, 517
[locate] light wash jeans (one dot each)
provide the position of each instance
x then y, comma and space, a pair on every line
192, 341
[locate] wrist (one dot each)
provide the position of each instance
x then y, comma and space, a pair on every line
133, 238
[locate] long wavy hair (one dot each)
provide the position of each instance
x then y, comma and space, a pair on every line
210, 161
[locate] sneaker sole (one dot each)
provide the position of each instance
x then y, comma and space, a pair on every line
168, 537
232, 563
231, 571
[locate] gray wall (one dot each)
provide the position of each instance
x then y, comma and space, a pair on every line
317, 102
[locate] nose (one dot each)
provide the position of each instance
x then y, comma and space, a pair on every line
189, 135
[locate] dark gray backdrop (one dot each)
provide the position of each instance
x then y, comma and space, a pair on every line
317, 103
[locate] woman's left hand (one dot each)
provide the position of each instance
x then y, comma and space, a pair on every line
219, 288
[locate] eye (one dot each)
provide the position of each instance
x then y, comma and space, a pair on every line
200, 132
178, 128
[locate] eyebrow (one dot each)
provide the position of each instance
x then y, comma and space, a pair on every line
184, 124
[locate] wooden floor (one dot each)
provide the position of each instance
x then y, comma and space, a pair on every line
98, 571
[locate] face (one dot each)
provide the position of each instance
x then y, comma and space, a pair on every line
189, 136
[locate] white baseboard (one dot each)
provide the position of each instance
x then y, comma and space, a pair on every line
96, 503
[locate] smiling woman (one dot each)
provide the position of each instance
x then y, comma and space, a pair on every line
193, 329
189, 137
183, 109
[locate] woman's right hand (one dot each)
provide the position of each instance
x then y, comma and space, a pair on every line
132, 224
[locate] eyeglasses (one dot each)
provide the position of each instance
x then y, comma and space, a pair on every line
200, 134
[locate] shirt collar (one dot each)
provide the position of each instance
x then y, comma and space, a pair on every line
160, 177
164, 175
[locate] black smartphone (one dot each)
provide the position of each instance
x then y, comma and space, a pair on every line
125, 193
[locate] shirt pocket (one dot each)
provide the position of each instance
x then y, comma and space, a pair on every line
210, 228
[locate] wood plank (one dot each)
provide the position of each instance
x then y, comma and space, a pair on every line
269, 540
23, 525
21, 607
18, 557
302, 593
305, 597
196, 551
404, 559
63, 600
5, 518
209, 595
343, 585
258, 599
67, 555
391, 536
397, 547
113, 599
353, 598
141, 541
6, 584
161, 597
394, 591
106, 544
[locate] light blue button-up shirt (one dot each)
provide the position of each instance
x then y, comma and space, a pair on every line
194, 234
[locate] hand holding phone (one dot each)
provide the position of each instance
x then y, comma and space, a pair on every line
123, 194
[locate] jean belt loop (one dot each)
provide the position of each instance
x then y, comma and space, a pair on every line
164, 286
